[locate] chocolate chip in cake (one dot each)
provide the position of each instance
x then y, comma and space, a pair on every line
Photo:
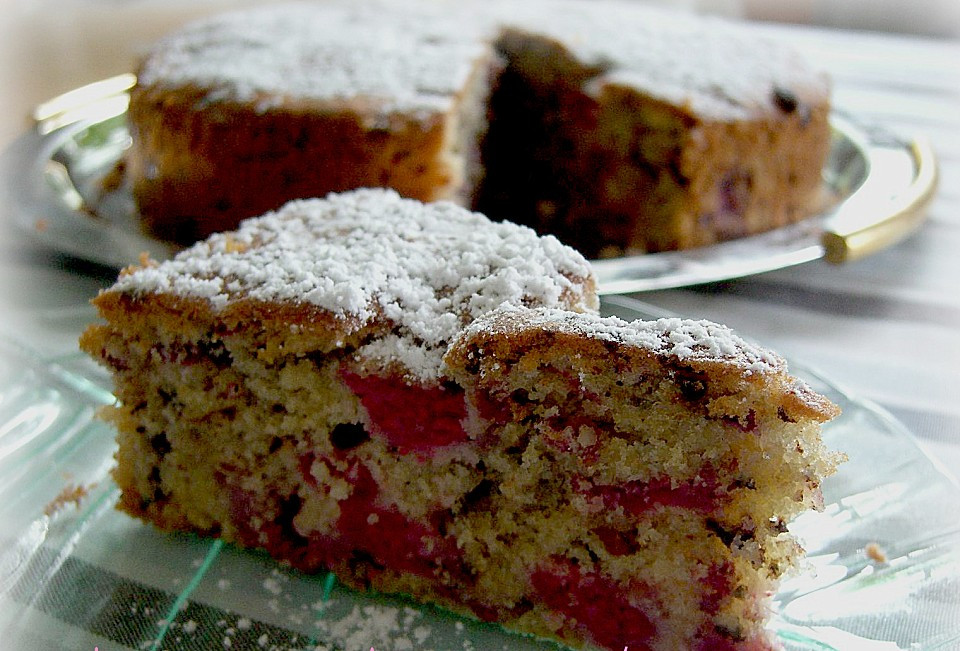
691, 384
347, 436
289, 508
745, 424
785, 100
215, 351
160, 444
725, 536
692, 389
728, 633
784, 416
747, 483
477, 495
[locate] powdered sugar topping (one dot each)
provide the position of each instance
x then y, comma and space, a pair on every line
714, 66
685, 339
410, 60
426, 269
415, 56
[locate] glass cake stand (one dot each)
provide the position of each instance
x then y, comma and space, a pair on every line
883, 569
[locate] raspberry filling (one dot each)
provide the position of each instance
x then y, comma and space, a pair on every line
617, 543
700, 494
490, 408
379, 535
717, 585
732, 194
749, 424
414, 419
278, 537
599, 605
604, 611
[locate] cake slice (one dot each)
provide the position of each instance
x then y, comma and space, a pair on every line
637, 478
239, 113
426, 403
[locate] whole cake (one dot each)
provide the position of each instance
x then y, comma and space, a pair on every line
615, 126
425, 402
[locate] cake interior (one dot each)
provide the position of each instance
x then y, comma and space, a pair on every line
572, 487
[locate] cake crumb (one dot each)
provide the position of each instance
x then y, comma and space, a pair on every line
71, 494
875, 552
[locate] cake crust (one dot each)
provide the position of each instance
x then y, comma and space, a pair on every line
669, 345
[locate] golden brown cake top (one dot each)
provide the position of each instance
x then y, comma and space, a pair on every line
415, 55
423, 271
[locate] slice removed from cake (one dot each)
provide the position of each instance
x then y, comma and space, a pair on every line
425, 402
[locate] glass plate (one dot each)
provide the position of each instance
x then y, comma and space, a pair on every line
77, 574
876, 187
